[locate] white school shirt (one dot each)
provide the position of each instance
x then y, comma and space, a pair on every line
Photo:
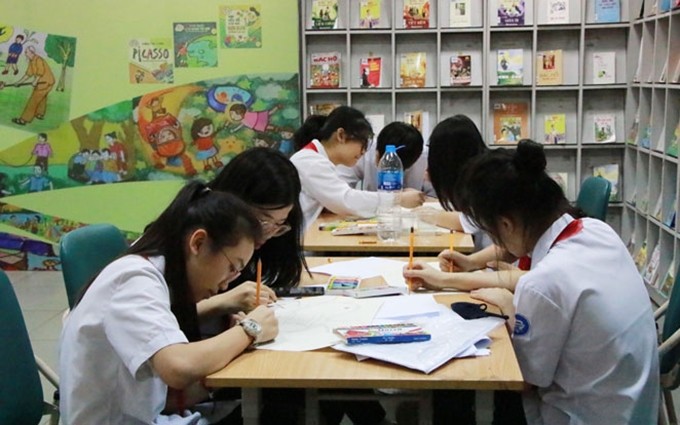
366, 172
322, 187
107, 341
480, 237
585, 334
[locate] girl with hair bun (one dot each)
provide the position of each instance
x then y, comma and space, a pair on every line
584, 336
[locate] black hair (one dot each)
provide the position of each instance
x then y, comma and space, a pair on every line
514, 184
453, 143
225, 218
353, 121
308, 131
42, 136
405, 137
266, 179
198, 125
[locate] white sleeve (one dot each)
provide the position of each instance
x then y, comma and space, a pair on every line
414, 177
140, 321
321, 181
351, 175
541, 330
467, 224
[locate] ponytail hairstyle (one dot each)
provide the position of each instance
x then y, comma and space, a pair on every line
266, 179
514, 184
308, 131
453, 143
226, 219
351, 120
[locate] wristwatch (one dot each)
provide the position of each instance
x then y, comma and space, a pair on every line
251, 328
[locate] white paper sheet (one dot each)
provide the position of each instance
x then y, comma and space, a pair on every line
366, 267
307, 323
408, 308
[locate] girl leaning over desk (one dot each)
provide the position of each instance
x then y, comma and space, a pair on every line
269, 183
134, 332
584, 336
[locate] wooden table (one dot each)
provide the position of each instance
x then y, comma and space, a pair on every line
322, 241
328, 368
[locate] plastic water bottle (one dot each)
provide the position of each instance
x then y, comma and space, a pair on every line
390, 180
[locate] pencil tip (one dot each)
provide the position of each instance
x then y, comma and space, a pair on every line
411, 229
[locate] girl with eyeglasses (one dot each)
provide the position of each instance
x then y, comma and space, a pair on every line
341, 139
133, 336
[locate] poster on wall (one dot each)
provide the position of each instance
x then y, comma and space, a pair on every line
36, 70
195, 44
241, 26
151, 61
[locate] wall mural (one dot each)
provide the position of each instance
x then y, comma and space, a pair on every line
174, 133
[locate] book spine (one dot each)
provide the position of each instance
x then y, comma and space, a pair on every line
386, 339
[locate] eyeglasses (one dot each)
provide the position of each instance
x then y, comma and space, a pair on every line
273, 229
363, 140
234, 271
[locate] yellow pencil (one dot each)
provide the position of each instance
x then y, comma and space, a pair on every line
258, 282
411, 243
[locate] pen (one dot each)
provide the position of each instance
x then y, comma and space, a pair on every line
368, 242
411, 242
451, 247
258, 282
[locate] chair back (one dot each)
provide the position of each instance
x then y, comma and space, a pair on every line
671, 324
593, 197
85, 251
21, 395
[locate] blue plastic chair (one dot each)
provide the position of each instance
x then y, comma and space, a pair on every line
85, 251
669, 349
21, 394
593, 197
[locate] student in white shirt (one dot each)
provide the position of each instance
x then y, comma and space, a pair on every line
134, 333
410, 149
342, 139
582, 327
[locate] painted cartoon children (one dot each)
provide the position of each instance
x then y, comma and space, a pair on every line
203, 135
109, 167
164, 134
256, 120
42, 80
42, 152
76, 169
13, 53
38, 181
117, 150
286, 142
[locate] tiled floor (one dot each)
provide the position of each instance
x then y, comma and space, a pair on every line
43, 301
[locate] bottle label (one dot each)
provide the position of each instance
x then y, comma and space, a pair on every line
389, 180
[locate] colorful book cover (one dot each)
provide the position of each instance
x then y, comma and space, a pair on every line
651, 272
634, 128
555, 127
641, 257
604, 128
459, 14
549, 68
324, 14
241, 26
666, 286
370, 70
673, 144
383, 334
510, 71
511, 12
510, 122
351, 286
611, 173
607, 11
461, 70
420, 120
369, 13
604, 67
324, 70
151, 61
412, 69
416, 14
646, 137
195, 44
558, 11
669, 215
322, 108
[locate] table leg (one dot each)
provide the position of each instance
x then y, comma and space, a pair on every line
251, 405
311, 406
484, 407
425, 408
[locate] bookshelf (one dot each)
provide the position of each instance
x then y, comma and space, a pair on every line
579, 97
653, 102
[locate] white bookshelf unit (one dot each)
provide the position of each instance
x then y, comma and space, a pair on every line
578, 97
653, 107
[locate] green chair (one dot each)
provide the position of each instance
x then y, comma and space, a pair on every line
593, 197
85, 251
669, 351
21, 394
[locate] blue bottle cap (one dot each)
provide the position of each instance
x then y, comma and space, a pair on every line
390, 149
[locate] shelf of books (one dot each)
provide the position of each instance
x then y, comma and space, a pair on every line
556, 71
652, 117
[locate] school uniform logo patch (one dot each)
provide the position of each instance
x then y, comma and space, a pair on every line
521, 325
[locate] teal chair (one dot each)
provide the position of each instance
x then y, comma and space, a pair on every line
669, 351
593, 197
21, 394
85, 251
